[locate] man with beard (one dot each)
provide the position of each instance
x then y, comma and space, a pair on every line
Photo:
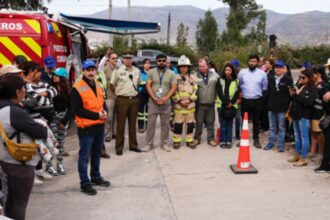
90, 113
161, 85
254, 85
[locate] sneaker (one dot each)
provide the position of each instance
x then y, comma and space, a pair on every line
176, 145
37, 181
295, 158
42, 175
60, 169
321, 170
88, 190
101, 182
281, 149
269, 146
107, 138
229, 145
165, 148
222, 144
148, 148
52, 171
302, 162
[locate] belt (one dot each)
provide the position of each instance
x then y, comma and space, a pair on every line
127, 97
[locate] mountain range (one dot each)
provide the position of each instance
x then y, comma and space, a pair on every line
308, 28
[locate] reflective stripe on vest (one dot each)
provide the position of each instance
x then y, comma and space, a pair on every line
90, 102
232, 90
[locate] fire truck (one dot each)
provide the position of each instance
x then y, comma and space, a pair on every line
36, 35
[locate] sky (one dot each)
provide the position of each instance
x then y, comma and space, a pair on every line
91, 6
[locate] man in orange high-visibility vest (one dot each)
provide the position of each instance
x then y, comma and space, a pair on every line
90, 114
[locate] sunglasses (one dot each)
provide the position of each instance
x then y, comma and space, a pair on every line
302, 77
161, 61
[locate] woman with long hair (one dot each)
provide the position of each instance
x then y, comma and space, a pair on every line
59, 125
304, 97
228, 92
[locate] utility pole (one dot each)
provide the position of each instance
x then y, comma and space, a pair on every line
110, 16
129, 18
168, 28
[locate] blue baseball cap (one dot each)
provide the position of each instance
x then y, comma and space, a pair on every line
88, 63
50, 62
235, 63
305, 64
279, 63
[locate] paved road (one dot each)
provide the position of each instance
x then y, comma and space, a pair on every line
187, 184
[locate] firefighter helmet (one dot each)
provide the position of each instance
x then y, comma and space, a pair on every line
184, 61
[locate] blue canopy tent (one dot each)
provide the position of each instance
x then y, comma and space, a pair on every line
112, 26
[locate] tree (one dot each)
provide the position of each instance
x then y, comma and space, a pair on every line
182, 34
241, 14
23, 4
207, 33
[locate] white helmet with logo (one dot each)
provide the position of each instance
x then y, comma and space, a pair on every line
184, 61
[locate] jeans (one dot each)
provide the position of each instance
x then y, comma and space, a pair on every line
226, 130
277, 128
301, 131
90, 146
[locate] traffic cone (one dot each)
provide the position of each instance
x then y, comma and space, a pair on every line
243, 163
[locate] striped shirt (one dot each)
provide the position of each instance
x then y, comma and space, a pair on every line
34, 90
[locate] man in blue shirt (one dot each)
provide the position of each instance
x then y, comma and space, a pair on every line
254, 85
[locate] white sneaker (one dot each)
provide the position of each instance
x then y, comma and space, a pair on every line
37, 182
52, 171
166, 148
60, 169
42, 175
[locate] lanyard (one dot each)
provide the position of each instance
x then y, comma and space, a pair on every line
161, 77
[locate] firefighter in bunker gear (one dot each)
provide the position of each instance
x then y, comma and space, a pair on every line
184, 104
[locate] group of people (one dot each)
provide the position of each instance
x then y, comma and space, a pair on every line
35, 112
37, 104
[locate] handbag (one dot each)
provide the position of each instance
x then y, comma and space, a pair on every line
22, 152
325, 122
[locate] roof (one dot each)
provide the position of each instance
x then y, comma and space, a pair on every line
120, 27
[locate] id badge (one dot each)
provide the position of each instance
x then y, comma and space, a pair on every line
160, 90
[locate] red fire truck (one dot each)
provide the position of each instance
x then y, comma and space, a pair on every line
37, 35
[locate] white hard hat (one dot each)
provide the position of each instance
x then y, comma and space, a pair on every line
184, 61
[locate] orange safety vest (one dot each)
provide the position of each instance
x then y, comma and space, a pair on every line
90, 102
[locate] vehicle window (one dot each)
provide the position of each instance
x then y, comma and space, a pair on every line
147, 53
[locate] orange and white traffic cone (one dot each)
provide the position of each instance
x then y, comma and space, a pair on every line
243, 163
